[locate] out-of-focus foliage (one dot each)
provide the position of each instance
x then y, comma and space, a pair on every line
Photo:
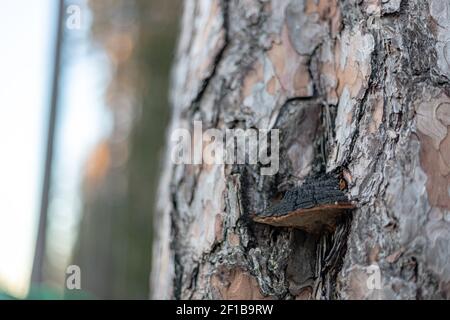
5, 296
114, 246
43, 292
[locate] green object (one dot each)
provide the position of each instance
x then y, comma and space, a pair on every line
5, 296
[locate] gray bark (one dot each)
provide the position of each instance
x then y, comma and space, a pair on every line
362, 85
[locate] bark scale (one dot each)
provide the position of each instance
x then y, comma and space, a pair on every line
362, 85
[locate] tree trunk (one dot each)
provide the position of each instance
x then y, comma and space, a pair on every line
357, 85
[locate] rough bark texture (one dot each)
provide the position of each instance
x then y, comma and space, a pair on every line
362, 85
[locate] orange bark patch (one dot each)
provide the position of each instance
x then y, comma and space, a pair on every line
235, 284
233, 239
290, 67
433, 123
353, 62
432, 163
444, 156
255, 75
218, 228
325, 8
328, 11
377, 115
98, 163
302, 80
272, 86
374, 254
346, 65
305, 294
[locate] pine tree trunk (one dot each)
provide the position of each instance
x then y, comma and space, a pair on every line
361, 85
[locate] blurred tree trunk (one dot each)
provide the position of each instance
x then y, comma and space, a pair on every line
120, 181
356, 84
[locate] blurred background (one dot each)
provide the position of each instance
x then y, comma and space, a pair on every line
83, 111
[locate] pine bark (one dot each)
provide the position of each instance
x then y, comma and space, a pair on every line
355, 84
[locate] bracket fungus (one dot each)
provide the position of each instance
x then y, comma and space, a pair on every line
316, 205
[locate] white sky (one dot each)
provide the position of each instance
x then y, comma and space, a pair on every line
25, 33
26, 53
